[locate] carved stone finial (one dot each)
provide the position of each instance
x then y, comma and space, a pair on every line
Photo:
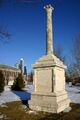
48, 7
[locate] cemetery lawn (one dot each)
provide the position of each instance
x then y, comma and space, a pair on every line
18, 111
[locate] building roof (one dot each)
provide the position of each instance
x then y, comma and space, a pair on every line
8, 67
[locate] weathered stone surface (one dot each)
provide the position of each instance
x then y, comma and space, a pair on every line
49, 103
49, 78
49, 47
49, 60
49, 82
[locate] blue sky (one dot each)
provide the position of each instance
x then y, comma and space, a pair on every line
27, 23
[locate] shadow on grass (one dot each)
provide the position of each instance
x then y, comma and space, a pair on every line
24, 96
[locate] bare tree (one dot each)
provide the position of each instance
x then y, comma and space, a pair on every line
58, 51
73, 72
4, 33
76, 55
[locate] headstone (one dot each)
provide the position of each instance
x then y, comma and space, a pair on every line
70, 84
49, 77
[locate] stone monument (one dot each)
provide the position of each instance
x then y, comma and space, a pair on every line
49, 77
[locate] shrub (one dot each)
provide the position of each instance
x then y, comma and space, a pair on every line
2, 82
18, 83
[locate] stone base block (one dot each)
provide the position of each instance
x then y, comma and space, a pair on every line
49, 103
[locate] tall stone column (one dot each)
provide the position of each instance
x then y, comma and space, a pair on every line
49, 45
49, 93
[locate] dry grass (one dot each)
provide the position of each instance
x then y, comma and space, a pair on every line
15, 111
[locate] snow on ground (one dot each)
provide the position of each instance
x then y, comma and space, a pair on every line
8, 95
73, 93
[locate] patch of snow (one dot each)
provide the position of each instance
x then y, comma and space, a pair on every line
29, 88
23, 106
9, 96
78, 84
3, 105
2, 116
7, 88
73, 93
67, 109
31, 112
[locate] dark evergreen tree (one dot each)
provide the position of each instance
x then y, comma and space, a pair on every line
2, 82
18, 83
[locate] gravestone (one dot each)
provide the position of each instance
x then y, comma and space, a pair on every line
49, 77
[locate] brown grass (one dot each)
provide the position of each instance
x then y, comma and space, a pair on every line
14, 111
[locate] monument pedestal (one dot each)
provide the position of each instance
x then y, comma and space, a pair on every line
49, 83
49, 77
49, 103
